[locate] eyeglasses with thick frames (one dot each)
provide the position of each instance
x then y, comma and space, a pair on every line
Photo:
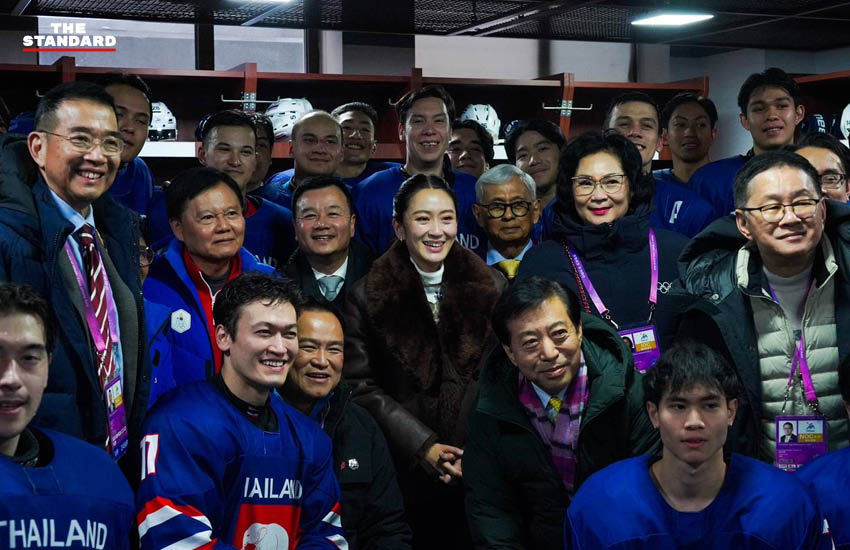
146, 256
832, 181
83, 143
497, 210
610, 184
772, 213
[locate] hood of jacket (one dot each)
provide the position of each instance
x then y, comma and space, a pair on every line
626, 234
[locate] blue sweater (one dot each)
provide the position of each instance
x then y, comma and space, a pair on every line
829, 479
374, 207
759, 507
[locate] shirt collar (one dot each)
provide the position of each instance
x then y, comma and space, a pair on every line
343, 269
545, 397
70, 214
494, 256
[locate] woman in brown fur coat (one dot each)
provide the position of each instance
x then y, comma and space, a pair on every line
416, 327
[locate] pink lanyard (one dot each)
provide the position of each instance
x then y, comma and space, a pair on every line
91, 318
597, 301
800, 362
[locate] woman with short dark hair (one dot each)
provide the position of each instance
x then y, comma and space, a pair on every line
602, 247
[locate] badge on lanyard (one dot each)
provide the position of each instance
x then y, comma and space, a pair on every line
799, 440
642, 341
116, 414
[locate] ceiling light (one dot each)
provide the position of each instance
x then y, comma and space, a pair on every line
670, 19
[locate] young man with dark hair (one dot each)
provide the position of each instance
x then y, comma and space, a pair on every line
359, 123
559, 400
689, 128
55, 490
327, 261
63, 234
635, 116
226, 462
205, 211
228, 144
829, 476
133, 185
372, 505
534, 146
470, 148
831, 159
425, 116
769, 289
770, 111
316, 151
694, 495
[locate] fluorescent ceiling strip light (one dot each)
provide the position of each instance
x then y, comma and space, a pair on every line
671, 19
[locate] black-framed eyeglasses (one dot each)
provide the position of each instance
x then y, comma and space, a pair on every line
146, 256
832, 181
585, 185
498, 209
772, 213
83, 143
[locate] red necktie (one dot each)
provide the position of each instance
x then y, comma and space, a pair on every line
97, 294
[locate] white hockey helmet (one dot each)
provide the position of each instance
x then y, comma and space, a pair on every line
485, 115
845, 122
284, 113
163, 126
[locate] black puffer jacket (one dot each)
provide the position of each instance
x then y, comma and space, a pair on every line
616, 257
711, 308
372, 505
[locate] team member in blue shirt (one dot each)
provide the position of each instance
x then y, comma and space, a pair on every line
133, 185
829, 477
693, 496
770, 111
689, 128
425, 116
55, 490
676, 208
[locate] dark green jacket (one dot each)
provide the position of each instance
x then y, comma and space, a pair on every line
514, 496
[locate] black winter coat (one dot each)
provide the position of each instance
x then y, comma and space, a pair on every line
616, 257
372, 504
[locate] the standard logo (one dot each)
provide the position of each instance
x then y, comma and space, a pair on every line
69, 37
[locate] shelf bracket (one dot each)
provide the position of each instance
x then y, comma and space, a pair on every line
249, 101
566, 108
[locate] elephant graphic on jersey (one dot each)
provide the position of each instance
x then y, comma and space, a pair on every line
262, 536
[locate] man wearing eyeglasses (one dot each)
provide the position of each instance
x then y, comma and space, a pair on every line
769, 289
831, 159
506, 208
63, 234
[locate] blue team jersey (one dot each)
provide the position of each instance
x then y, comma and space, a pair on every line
212, 479
374, 207
715, 182
829, 478
79, 500
759, 507
133, 186
677, 208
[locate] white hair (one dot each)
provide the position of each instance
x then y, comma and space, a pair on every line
500, 175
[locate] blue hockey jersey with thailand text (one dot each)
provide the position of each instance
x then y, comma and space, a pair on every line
374, 207
677, 208
80, 499
211, 479
759, 507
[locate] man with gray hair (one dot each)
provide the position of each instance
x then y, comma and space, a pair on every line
768, 288
507, 209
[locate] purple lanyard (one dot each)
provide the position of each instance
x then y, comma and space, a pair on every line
597, 301
799, 361
91, 318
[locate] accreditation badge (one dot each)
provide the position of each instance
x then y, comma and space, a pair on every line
643, 341
799, 440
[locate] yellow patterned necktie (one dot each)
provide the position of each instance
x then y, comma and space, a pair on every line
555, 403
508, 267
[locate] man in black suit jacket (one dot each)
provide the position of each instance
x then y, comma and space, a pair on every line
327, 262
